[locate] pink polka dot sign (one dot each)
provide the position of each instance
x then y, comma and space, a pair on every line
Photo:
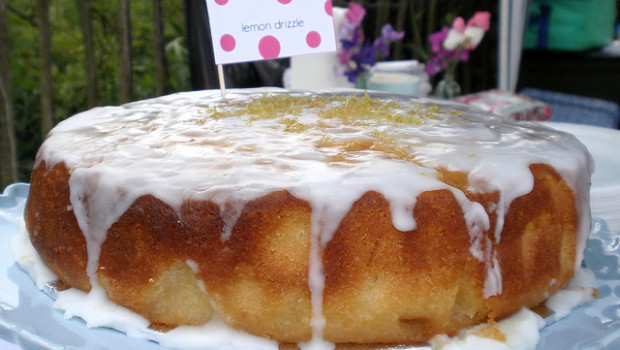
227, 42
269, 47
251, 30
313, 39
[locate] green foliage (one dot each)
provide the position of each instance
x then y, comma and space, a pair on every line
68, 57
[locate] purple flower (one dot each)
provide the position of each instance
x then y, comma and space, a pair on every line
366, 56
436, 39
432, 67
353, 74
357, 54
356, 39
388, 33
346, 29
344, 56
388, 36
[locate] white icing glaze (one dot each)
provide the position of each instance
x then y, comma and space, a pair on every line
171, 147
521, 331
28, 258
578, 291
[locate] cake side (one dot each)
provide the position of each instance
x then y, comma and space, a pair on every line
382, 284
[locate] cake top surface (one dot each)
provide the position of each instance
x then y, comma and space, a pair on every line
317, 145
269, 132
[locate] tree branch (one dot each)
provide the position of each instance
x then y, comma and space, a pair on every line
28, 18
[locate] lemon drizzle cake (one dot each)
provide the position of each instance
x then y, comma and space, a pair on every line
301, 216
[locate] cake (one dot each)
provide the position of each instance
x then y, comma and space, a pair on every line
310, 216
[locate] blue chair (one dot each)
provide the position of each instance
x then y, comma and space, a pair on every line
577, 109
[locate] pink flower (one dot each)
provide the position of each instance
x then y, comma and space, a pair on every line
453, 44
477, 25
470, 35
459, 24
344, 56
480, 19
356, 13
456, 36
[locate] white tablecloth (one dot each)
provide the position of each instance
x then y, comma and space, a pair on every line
603, 144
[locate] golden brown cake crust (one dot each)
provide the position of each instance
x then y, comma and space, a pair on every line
53, 228
382, 285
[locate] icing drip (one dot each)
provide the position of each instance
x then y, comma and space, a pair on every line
325, 150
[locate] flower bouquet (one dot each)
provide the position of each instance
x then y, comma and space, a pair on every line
451, 45
358, 54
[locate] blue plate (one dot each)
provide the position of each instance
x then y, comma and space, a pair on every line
27, 316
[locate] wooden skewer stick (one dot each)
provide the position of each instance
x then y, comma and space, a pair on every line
220, 74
